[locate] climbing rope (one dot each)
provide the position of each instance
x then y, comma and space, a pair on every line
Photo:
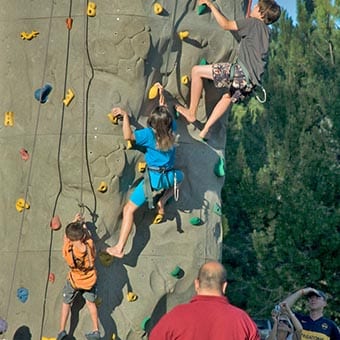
29, 174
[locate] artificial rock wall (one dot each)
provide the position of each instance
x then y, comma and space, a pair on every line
111, 56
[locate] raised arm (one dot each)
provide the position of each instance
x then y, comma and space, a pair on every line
291, 299
127, 131
226, 24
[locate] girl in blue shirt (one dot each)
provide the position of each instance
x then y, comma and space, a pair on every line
158, 138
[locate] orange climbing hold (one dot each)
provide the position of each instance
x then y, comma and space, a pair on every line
21, 204
24, 154
69, 23
55, 223
9, 118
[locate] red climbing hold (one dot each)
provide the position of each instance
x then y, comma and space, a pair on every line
55, 223
51, 277
24, 154
69, 22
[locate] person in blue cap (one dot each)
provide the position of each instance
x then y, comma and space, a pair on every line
315, 325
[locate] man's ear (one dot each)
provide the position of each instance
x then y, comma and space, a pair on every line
224, 287
197, 285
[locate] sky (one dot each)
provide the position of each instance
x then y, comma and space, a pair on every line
290, 6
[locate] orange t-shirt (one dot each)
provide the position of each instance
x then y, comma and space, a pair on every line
83, 274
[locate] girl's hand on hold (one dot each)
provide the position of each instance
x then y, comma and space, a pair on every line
117, 111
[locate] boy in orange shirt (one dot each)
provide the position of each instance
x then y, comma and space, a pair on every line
79, 253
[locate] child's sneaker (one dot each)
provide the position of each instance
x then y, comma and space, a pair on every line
62, 335
93, 335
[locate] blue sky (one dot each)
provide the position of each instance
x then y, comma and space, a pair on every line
290, 6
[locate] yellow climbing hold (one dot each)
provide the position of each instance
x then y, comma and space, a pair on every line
157, 8
131, 296
141, 166
68, 98
128, 144
185, 80
102, 187
113, 336
153, 92
29, 36
91, 9
105, 259
183, 34
9, 118
45, 338
21, 204
114, 120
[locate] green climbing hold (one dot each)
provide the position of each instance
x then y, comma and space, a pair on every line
217, 209
203, 61
201, 9
219, 168
195, 221
144, 322
177, 272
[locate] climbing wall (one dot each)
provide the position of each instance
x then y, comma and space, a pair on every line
64, 64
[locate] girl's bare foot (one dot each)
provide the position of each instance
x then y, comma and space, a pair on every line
186, 113
115, 251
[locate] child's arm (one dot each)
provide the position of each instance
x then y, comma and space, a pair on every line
127, 131
226, 24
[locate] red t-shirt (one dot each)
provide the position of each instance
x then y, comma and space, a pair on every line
205, 318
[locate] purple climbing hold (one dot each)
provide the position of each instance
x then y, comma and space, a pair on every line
3, 326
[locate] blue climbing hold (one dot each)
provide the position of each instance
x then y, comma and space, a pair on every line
22, 294
3, 326
41, 95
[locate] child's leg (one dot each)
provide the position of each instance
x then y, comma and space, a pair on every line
127, 223
198, 73
65, 311
94, 314
218, 111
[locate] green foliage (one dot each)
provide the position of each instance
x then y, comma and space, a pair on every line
281, 196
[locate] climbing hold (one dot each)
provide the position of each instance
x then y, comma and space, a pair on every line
217, 209
21, 204
24, 154
128, 144
185, 80
183, 34
201, 9
51, 277
22, 294
45, 338
68, 98
3, 326
144, 323
131, 296
219, 168
41, 95
153, 92
114, 120
141, 166
113, 336
157, 8
91, 9
98, 301
105, 259
203, 61
55, 223
69, 23
29, 36
9, 118
195, 221
102, 187
177, 272
158, 219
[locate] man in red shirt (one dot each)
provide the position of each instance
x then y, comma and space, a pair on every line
209, 315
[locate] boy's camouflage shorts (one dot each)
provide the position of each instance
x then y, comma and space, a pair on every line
238, 87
